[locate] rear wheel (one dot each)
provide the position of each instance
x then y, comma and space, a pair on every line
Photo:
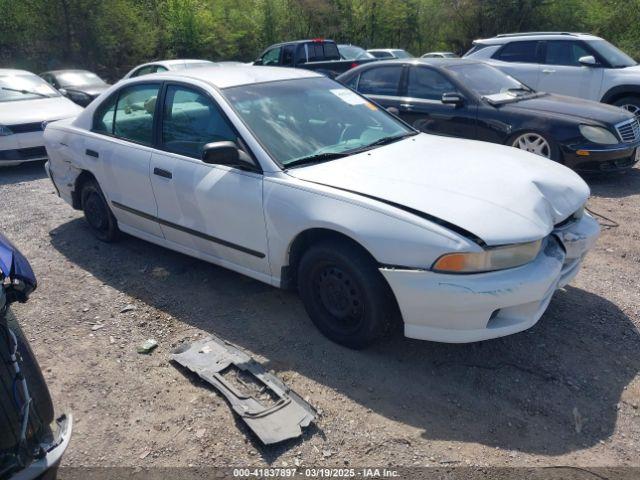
97, 213
536, 143
344, 294
630, 104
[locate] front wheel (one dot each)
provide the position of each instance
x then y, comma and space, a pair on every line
344, 294
536, 143
631, 104
97, 213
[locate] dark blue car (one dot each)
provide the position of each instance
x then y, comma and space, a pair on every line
29, 447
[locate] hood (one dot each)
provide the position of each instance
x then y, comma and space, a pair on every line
500, 194
632, 72
91, 90
37, 110
584, 110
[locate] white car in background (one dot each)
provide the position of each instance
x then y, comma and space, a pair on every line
574, 64
160, 66
389, 53
288, 177
27, 103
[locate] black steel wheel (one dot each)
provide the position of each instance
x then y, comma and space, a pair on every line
344, 294
97, 213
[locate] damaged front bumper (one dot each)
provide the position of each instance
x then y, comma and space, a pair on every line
469, 308
45, 467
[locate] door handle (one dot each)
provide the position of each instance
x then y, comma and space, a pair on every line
92, 153
548, 70
162, 173
405, 105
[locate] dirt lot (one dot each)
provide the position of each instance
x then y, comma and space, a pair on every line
565, 392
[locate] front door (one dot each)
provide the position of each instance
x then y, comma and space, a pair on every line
562, 72
210, 209
422, 105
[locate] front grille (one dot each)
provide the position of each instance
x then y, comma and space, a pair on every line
23, 154
629, 131
33, 152
26, 127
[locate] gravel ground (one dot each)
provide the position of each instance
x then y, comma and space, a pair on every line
565, 392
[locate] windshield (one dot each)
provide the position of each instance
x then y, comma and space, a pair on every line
351, 52
486, 80
79, 79
401, 54
24, 86
613, 55
296, 119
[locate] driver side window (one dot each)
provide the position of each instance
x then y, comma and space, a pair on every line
272, 57
428, 84
190, 120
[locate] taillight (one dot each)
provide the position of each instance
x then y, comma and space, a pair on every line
353, 65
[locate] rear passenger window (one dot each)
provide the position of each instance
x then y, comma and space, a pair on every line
134, 113
190, 120
380, 81
524, 52
103, 117
144, 71
428, 84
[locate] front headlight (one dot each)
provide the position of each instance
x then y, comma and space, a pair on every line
497, 258
5, 131
598, 135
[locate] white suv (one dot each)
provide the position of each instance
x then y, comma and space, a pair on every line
575, 64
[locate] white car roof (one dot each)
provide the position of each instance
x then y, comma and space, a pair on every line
385, 50
232, 76
175, 61
14, 71
535, 36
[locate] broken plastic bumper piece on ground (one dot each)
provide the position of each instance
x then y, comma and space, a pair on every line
214, 359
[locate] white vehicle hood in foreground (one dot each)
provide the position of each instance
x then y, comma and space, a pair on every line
500, 194
37, 110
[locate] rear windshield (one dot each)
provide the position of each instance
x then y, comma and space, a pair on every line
320, 51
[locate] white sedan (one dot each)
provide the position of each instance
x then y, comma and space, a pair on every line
288, 177
27, 103
160, 66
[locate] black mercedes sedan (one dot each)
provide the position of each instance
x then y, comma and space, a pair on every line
470, 99
80, 86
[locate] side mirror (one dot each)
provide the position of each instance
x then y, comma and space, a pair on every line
258, 62
393, 111
63, 91
452, 98
227, 153
588, 61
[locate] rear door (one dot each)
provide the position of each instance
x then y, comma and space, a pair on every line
520, 59
562, 72
207, 209
119, 154
382, 84
422, 105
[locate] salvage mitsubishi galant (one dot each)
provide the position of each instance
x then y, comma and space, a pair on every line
288, 177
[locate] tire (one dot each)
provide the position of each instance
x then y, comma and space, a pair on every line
344, 294
97, 212
630, 103
526, 141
